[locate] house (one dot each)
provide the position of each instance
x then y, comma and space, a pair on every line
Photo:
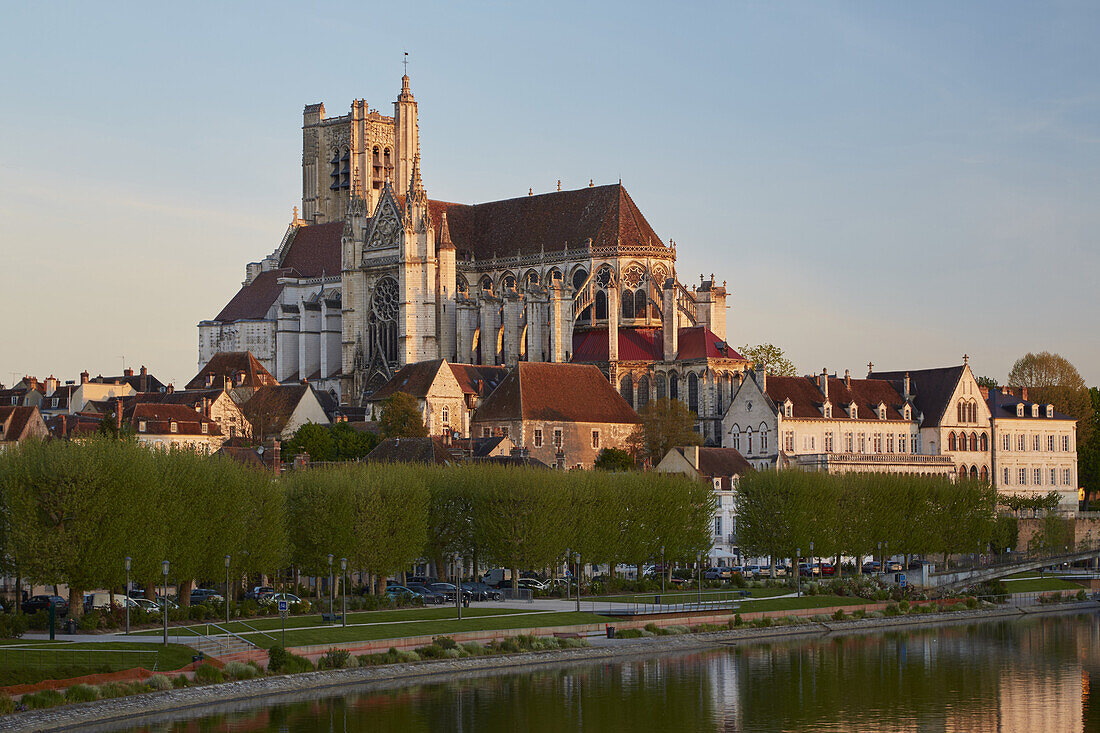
1034, 446
954, 415
173, 426
826, 423
560, 414
99, 389
432, 450
232, 370
277, 411
216, 404
446, 393
19, 423
721, 468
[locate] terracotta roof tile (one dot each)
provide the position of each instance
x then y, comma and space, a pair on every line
556, 392
232, 366
253, 301
315, 250
807, 399
477, 379
158, 419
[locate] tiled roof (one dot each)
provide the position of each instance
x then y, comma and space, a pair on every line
140, 382
647, 344
270, 407
242, 454
229, 365
556, 392
253, 301
477, 379
14, 420
411, 450
723, 462
158, 419
932, 389
73, 426
413, 379
807, 399
315, 250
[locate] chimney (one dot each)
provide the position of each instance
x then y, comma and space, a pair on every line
170, 388
144, 371
908, 392
84, 377
823, 383
480, 387
206, 406
761, 374
1023, 393
693, 456
118, 412
127, 372
275, 462
51, 385
847, 379
985, 392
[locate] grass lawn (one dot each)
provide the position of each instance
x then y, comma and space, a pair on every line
58, 660
333, 634
1035, 584
361, 617
788, 604
681, 596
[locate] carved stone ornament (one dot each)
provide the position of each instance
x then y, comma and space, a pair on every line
385, 233
634, 275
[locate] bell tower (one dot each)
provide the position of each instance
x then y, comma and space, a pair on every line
406, 138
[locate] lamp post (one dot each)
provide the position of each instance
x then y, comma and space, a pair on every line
881, 569
577, 564
568, 581
126, 562
797, 572
699, 575
164, 611
812, 564
228, 559
331, 598
662, 569
343, 591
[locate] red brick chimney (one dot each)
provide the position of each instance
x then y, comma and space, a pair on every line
170, 388
275, 462
127, 372
118, 412
84, 377
1023, 393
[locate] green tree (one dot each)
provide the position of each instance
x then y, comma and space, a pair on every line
351, 443
313, 439
614, 459
771, 356
401, 417
988, 382
1052, 379
665, 424
1088, 452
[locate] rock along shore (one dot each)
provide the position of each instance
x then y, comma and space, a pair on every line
235, 696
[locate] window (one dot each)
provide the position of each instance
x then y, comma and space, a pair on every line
1035, 442
861, 443
788, 441
504, 431
693, 393
1053, 476
557, 437
486, 432
908, 413
1008, 476
1066, 477
1006, 441
788, 409
538, 438
902, 444
763, 440
174, 427
595, 439
983, 443
717, 526
1038, 476
748, 440
1050, 443
141, 426
853, 411
951, 444
736, 439
889, 443
446, 414
1022, 476
878, 443
1050, 410
1021, 442
985, 475
882, 412
205, 428
1065, 443
1035, 411
828, 442
828, 410
1020, 409
849, 444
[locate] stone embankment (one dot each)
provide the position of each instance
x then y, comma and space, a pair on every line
234, 696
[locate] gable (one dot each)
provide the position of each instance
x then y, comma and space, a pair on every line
386, 228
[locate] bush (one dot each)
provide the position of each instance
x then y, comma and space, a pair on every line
14, 625
737, 621
159, 682
445, 642
629, 634
838, 615
241, 671
81, 693
43, 699
334, 659
276, 658
1082, 595
473, 648
39, 620
7, 705
903, 606
180, 681
197, 612
859, 613
971, 602
207, 674
113, 689
763, 623
89, 621
248, 608
408, 655
892, 609
430, 652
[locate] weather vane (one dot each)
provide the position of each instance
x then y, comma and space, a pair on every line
406, 62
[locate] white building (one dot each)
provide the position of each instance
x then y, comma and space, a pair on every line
1034, 447
825, 423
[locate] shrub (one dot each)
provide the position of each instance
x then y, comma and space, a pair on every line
240, 671
892, 609
676, 630
113, 689
81, 693
763, 623
509, 646
971, 602
43, 699
276, 658
859, 613
334, 659
838, 615
249, 608
197, 612
408, 655
473, 648
208, 674
629, 634
89, 621
572, 643
445, 642
903, 606
14, 625
39, 620
430, 652
303, 607
1082, 595
737, 621
7, 705
159, 682
180, 681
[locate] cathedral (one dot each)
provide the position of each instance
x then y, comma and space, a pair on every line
373, 275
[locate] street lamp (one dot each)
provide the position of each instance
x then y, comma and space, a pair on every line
881, 569
126, 562
577, 564
228, 559
797, 572
164, 610
569, 580
331, 598
811, 560
343, 591
699, 575
662, 569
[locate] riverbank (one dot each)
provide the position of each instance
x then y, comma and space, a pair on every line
226, 697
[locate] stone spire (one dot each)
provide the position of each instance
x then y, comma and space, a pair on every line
445, 233
406, 137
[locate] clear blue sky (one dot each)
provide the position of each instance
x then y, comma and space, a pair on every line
889, 182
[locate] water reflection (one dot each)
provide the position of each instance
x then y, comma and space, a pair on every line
1030, 675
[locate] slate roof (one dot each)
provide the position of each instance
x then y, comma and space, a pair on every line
140, 382
556, 392
647, 344
1003, 405
932, 389
807, 398
271, 406
315, 250
253, 301
411, 450
477, 379
228, 365
714, 462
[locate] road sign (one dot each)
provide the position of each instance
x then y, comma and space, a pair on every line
283, 607
901, 580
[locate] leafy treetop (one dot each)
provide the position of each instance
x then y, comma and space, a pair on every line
771, 356
401, 417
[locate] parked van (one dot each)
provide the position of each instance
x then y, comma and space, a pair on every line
496, 576
101, 601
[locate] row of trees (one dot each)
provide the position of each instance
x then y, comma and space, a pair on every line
850, 514
70, 512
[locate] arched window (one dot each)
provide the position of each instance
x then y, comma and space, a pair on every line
626, 389
973, 441
974, 473
642, 392
748, 441
983, 443
486, 285
387, 161
579, 277
382, 322
662, 386
763, 439
461, 285
985, 475
951, 445
963, 473
962, 411
600, 305
531, 280
508, 283
554, 276
641, 303
693, 393
628, 304
674, 386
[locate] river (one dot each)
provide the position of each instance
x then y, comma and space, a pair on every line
1007, 676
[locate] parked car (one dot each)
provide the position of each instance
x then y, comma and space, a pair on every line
533, 584
805, 570
395, 591
430, 596
893, 566
101, 601
871, 567
205, 595
824, 568
172, 605
421, 580
146, 605
448, 591
755, 570
916, 563
276, 597
712, 574
482, 591
35, 604
259, 592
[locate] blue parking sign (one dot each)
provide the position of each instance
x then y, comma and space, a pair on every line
283, 606
901, 580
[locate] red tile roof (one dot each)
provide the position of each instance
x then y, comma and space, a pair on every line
315, 250
715, 462
477, 379
807, 399
17, 422
230, 365
412, 379
271, 407
647, 344
158, 419
252, 301
556, 392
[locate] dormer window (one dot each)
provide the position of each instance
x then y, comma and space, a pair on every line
1020, 409
141, 426
853, 411
788, 409
1050, 410
908, 413
828, 410
205, 428
174, 427
209, 380
1035, 411
881, 411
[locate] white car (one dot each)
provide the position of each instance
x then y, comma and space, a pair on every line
275, 598
533, 584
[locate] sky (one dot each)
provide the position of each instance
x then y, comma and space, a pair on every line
897, 183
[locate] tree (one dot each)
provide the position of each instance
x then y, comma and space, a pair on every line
1052, 379
401, 417
988, 382
1088, 453
614, 459
665, 425
314, 440
771, 356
